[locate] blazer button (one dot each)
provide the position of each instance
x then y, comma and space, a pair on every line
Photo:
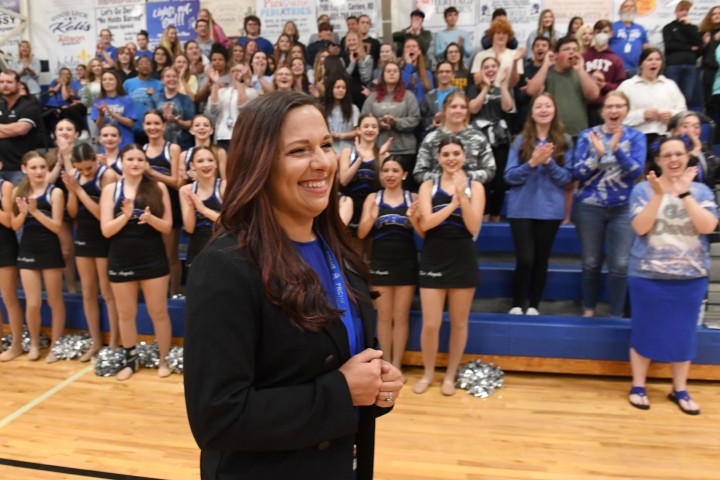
329, 361
324, 445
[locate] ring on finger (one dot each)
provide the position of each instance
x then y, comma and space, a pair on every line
389, 397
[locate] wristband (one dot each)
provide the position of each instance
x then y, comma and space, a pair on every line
683, 195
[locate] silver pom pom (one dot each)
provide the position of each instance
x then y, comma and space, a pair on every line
69, 347
480, 379
109, 361
44, 340
149, 355
175, 359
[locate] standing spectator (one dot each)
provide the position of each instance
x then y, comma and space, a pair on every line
141, 90
114, 106
9, 273
629, 39
225, 101
566, 79
487, 41
177, 109
341, 113
433, 101
479, 164
545, 28
252, 25
142, 42
537, 172
605, 68
20, 126
416, 31
682, 42
654, 98
203, 39
28, 68
106, 53
452, 35
415, 73
187, 82
90, 92
461, 76
218, 63
398, 112
216, 31
358, 66
324, 42
387, 54
608, 160
372, 45
510, 60
171, 42
490, 103
125, 64
710, 29
669, 269
540, 48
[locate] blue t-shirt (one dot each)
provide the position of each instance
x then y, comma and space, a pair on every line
57, 101
314, 256
673, 249
111, 50
138, 90
123, 106
264, 45
627, 43
182, 107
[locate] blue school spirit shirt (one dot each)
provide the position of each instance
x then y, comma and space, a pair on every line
137, 89
124, 106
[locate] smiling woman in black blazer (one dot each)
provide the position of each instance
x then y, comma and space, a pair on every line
281, 378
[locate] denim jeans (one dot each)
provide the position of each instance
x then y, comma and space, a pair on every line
686, 77
604, 230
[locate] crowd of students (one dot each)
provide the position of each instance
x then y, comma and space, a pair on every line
432, 138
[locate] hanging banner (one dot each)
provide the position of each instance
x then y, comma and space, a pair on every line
230, 14
274, 14
339, 11
434, 9
180, 14
9, 22
124, 18
591, 12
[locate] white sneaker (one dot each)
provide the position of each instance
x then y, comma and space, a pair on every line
516, 311
532, 311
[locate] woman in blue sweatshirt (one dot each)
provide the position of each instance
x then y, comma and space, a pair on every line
537, 172
608, 160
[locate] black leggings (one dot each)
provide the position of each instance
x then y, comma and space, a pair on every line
496, 187
533, 241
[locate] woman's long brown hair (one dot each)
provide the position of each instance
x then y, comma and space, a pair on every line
248, 216
556, 135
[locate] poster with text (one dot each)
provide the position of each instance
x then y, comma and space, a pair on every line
180, 14
274, 14
10, 24
124, 18
590, 12
63, 32
434, 9
339, 11
229, 14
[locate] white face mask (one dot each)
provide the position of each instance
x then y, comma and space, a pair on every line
601, 39
627, 17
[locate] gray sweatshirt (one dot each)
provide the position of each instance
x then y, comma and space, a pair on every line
407, 117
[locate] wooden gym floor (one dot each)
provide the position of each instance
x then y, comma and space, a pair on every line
61, 421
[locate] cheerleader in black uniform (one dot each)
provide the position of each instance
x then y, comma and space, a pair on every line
135, 214
359, 169
451, 210
9, 273
390, 215
59, 159
110, 137
164, 166
84, 185
202, 130
38, 210
202, 200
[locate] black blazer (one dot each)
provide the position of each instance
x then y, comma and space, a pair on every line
266, 400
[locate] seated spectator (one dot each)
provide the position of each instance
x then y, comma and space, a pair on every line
452, 35
564, 77
683, 44
605, 68
629, 39
416, 31
252, 25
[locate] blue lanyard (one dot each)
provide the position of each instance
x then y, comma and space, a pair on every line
340, 294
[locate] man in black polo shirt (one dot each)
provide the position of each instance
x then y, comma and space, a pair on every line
19, 126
